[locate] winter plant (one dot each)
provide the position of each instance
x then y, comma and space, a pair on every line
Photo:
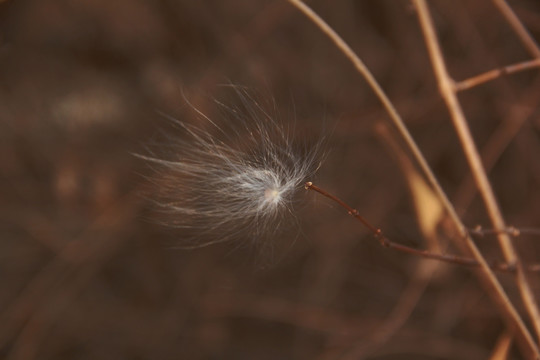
234, 179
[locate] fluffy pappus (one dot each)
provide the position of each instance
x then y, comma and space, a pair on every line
236, 179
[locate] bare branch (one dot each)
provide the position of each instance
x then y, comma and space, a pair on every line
494, 74
384, 241
449, 95
523, 34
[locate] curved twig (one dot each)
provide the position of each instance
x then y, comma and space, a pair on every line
492, 281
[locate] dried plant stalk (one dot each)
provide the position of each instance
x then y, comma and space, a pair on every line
460, 123
518, 27
494, 74
491, 280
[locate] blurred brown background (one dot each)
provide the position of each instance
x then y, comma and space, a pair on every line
85, 271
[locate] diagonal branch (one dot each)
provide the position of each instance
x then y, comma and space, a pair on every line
493, 74
387, 243
524, 35
447, 91
498, 292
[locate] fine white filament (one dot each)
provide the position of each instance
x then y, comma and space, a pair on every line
232, 181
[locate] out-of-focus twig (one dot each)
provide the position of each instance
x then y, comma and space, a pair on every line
499, 140
510, 230
493, 74
450, 97
492, 281
518, 27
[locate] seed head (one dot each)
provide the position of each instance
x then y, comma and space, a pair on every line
235, 180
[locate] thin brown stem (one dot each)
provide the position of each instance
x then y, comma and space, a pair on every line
389, 107
498, 292
499, 140
494, 74
518, 27
510, 230
405, 134
384, 241
482, 182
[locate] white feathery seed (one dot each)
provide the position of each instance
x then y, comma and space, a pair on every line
234, 181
